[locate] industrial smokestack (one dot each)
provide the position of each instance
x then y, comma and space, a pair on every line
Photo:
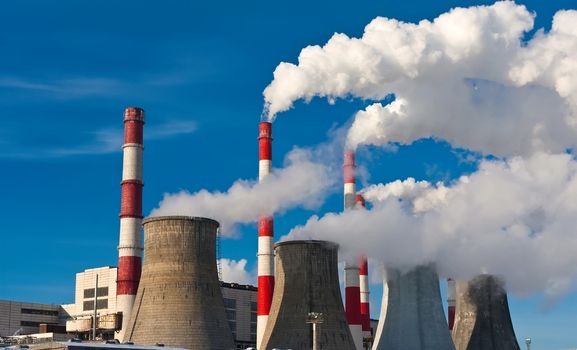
364, 284
130, 244
483, 321
415, 319
265, 238
307, 281
352, 281
179, 301
451, 302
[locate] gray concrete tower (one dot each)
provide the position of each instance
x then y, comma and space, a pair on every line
483, 321
179, 301
414, 313
307, 280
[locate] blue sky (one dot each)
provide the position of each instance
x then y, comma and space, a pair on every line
68, 69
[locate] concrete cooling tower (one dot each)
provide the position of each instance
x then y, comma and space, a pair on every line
307, 281
414, 316
179, 301
483, 321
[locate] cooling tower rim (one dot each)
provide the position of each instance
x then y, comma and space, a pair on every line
178, 217
307, 241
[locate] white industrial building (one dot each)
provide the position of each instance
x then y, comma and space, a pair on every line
84, 292
240, 305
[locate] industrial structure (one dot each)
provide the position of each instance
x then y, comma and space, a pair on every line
451, 302
176, 298
130, 244
307, 281
20, 318
414, 313
364, 289
352, 278
240, 304
265, 254
179, 302
483, 321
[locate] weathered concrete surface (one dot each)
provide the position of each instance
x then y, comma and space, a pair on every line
179, 301
415, 319
307, 280
483, 321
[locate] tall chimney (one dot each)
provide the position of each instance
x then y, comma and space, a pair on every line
451, 302
265, 238
352, 281
130, 244
364, 282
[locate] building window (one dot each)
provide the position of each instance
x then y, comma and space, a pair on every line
232, 325
231, 315
29, 323
253, 317
229, 303
253, 327
39, 312
89, 305
89, 293
253, 306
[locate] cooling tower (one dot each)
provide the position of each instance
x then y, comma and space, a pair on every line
483, 321
415, 319
307, 281
179, 301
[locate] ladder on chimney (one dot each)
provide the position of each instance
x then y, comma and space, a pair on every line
218, 268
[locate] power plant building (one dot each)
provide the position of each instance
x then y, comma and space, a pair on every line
25, 318
84, 292
240, 304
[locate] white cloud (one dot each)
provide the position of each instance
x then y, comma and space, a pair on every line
104, 141
236, 272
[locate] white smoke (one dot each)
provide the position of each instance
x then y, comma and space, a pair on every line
418, 195
467, 77
301, 183
236, 272
515, 218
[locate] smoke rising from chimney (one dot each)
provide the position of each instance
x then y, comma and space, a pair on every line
469, 77
301, 183
515, 218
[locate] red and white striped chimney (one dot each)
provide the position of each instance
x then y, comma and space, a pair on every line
364, 282
352, 282
451, 302
130, 244
265, 238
